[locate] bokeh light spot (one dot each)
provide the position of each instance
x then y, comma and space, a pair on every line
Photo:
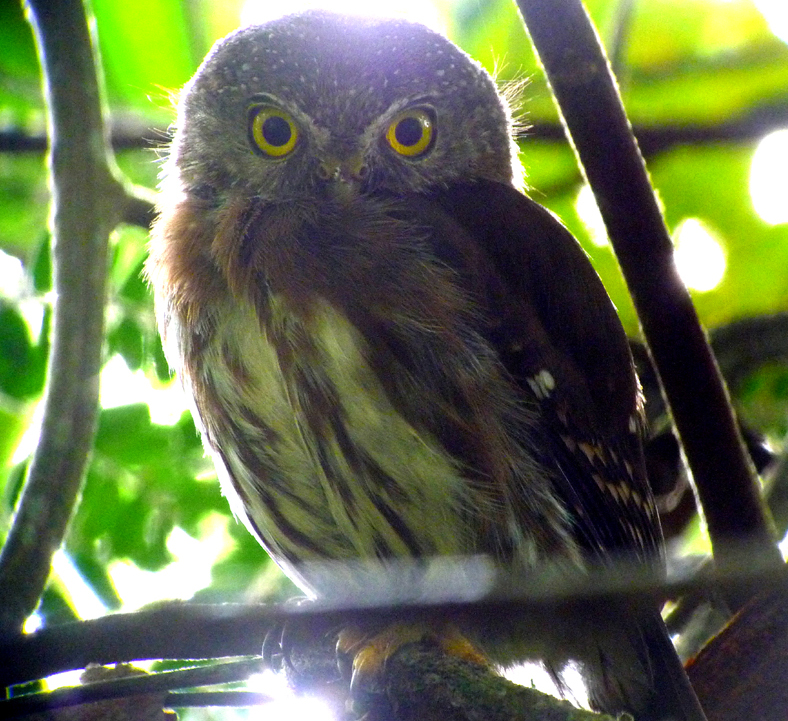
769, 178
12, 276
285, 704
33, 622
776, 14
77, 591
699, 257
535, 675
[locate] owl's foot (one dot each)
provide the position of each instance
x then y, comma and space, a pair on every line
277, 642
366, 653
306, 656
273, 652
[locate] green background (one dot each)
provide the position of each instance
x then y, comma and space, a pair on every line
680, 63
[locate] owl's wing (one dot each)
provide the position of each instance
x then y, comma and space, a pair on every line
559, 336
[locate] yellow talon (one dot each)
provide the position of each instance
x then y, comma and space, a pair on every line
455, 644
370, 652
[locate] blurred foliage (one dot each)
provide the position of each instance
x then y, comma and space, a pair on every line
678, 61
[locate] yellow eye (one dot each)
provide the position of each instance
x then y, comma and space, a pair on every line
411, 133
273, 131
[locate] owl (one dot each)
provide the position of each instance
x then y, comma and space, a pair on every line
393, 354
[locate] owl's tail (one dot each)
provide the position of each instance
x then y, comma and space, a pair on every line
651, 684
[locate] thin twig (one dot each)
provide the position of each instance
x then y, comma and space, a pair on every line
140, 208
133, 684
202, 699
418, 679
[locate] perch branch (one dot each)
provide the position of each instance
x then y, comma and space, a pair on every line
591, 107
424, 684
184, 630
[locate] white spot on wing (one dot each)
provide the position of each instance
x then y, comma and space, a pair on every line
542, 384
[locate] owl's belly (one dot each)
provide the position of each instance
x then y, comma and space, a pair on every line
310, 447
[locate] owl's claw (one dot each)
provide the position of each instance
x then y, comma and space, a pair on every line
273, 653
363, 656
344, 662
279, 642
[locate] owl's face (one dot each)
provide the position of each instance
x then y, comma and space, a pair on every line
318, 105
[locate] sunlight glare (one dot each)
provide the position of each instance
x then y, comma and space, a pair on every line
285, 703
534, 675
775, 12
426, 12
13, 282
120, 387
33, 622
29, 440
783, 546
295, 708
16, 286
63, 679
588, 212
769, 178
78, 592
699, 257
188, 573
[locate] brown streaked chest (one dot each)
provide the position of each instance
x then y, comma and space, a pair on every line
319, 438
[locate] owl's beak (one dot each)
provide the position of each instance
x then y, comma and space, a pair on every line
343, 177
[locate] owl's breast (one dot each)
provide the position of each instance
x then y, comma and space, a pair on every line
310, 446
349, 395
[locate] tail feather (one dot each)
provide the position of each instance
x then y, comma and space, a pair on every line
642, 674
674, 697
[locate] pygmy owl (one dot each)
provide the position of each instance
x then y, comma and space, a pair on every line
392, 352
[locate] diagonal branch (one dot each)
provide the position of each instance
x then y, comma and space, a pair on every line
591, 107
87, 202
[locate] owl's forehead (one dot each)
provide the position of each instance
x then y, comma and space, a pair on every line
328, 63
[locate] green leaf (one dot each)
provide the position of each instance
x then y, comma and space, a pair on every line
126, 339
22, 364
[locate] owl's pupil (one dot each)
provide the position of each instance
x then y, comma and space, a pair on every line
408, 132
276, 131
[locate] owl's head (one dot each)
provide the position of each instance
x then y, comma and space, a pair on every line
322, 103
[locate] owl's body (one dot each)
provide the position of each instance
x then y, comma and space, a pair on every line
392, 353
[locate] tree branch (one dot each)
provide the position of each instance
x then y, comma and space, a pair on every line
185, 630
591, 107
425, 684
87, 202
419, 679
140, 206
743, 672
